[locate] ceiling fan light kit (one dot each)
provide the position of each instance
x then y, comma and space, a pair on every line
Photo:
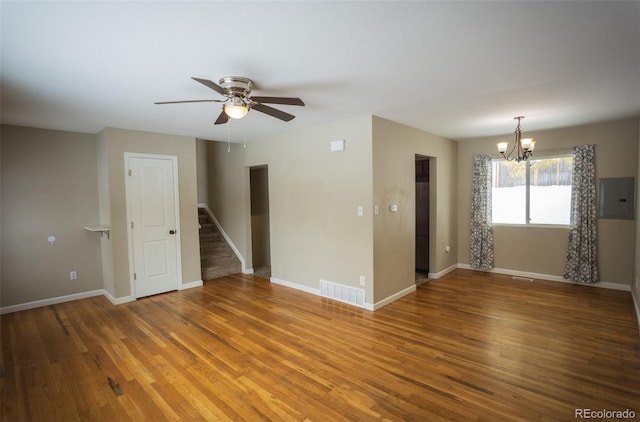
237, 109
237, 90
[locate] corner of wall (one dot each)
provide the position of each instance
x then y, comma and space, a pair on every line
635, 282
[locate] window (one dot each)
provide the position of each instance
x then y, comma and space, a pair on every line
532, 192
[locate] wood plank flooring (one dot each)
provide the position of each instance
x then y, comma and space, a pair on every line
469, 346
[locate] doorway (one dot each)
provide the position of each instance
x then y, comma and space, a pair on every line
153, 216
260, 234
422, 218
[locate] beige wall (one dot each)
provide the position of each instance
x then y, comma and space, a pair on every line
201, 167
113, 143
545, 248
314, 195
104, 204
394, 149
49, 186
635, 288
313, 199
227, 193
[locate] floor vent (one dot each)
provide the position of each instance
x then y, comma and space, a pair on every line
342, 293
521, 278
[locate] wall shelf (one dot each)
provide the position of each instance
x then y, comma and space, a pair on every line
99, 229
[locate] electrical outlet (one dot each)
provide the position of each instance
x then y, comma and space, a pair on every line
73, 275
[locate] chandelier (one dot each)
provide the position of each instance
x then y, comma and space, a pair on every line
523, 145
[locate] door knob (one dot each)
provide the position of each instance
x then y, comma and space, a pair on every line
172, 232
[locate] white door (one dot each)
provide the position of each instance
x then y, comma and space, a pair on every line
152, 196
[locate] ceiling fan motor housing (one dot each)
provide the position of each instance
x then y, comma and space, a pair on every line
236, 86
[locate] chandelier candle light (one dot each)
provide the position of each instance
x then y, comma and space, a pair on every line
524, 146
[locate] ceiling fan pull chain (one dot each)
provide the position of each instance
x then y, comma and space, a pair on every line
229, 137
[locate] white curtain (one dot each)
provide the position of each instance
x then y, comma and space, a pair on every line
581, 263
481, 228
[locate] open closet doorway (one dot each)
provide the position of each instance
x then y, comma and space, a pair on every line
260, 237
422, 219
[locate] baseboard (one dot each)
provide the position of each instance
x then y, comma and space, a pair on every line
367, 306
313, 291
190, 285
549, 277
50, 301
296, 286
443, 272
83, 295
227, 238
390, 299
119, 300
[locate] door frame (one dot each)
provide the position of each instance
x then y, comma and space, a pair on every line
251, 225
432, 207
176, 193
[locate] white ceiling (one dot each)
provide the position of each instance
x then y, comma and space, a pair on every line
456, 69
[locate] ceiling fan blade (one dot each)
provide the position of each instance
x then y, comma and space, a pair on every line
279, 100
217, 88
278, 114
189, 101
222, 118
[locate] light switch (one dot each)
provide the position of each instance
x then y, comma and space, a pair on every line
393, 207
360, 211
376, 209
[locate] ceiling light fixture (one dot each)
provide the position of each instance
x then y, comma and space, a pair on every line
524, 146
237, 109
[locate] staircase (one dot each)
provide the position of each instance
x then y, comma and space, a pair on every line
216, 256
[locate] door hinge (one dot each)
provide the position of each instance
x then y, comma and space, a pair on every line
135, 277
129, 172
132, 224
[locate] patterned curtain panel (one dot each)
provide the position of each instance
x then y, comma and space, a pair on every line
581, 263
481, 229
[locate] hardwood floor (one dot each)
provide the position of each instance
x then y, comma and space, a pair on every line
469, 346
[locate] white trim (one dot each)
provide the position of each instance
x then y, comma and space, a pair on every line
390, 299
78, 296
314, 291
296, 286
443, 272
637, 306
190, 285
235, 250
549, 277
533, 226
367, 306
50, 301
120, 300
176, 204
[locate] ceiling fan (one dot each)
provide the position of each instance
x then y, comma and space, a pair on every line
239, 101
